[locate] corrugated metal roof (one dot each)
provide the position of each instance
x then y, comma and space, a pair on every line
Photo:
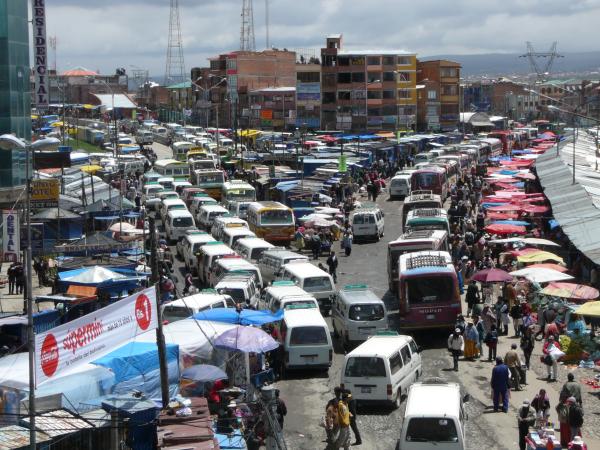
15, 436
59, 423
572, 205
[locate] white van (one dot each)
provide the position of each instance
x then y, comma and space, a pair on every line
368, 223
231, 264
435, 417
171, 204
241, 287
400, 186
188, 306
177, 223
207, 215
226, 221
209, 253
313, 280
239, 209
191, 245
382, 368
232, 235
198, 200
150, 194
306, 340
276, 296
356, 314
251, 249
167, 182
423, 157
272, 261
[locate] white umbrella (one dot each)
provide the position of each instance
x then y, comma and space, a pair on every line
117, 227
541, 274
506, 240
539, 241
327, 210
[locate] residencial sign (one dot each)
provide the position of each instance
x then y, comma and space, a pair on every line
94, 335
11, 243
44, 193
40, 53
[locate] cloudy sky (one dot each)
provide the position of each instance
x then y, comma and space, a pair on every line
105, 34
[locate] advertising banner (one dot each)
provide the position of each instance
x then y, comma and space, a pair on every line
94, 335
44, 193
40, 54
11, 243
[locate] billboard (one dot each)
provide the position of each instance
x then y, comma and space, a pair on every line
40, 54
94, 335
44, 193
11, 243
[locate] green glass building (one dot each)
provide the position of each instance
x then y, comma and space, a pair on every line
15, 89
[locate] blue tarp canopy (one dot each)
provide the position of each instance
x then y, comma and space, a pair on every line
246, 317
513, 222
489, 205
131, 215
521, 152
106, 217
508, 172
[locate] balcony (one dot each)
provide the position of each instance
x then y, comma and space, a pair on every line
449, 99
374, 102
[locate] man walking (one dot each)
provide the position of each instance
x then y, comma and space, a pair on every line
280, 409
343, 440
571, 389
353, 414
512, 360
456, 345
525, 419
500, 385
472, 296
575, 417
332, 263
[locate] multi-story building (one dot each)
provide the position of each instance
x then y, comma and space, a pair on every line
440, 95
15, 95
273, 108
77, 85
308, 95
367, 89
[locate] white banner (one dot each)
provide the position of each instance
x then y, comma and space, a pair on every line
40, 54
11, 240
94, 335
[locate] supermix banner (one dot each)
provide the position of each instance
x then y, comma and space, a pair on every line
92, 336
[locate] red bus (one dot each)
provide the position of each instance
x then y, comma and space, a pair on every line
431, 178
428, 291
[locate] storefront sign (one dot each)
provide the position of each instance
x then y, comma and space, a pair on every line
44, 193
11, 245
94, 335
40, 53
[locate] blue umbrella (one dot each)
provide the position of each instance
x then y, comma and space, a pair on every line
246, 339
245, 317
513, 222
203, 372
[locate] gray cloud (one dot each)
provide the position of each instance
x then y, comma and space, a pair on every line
122, 33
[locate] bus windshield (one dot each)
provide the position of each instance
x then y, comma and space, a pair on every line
240, 194
429, 289
211, 178
426, 180
276, 217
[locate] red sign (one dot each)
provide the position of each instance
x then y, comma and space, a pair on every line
49, 355
143, 311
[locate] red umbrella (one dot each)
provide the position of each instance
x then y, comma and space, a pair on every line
492, 276
535, 209
502, 229
504, 208
495, 215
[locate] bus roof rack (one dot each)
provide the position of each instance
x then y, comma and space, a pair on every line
417, 261
428, 212
418, 234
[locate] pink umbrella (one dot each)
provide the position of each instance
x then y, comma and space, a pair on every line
571, 290
492, 276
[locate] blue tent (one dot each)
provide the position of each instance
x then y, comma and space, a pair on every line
489, 205
513, 222
246, 317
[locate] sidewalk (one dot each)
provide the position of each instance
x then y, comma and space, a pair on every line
13, 304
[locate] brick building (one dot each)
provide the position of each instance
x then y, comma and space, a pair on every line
308, 96
273, 108
438, 100
367, 89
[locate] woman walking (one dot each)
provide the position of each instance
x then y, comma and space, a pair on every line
347, 243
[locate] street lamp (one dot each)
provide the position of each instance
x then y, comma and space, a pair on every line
9, 142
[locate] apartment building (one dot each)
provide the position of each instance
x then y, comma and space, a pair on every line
438, 96
308, 96
367, 89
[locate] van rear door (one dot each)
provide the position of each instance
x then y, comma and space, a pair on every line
366, 377
308, 346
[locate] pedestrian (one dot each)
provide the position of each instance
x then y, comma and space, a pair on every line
562, 410
332, 264
12, 277
471, 341
472, 296
527, 344
516, 316
512, 360
504, 316
316, 245
525, 419
488, 317
189, 282
541, 404
19, 278
331, 421
500, 383
456, 346
571, 389
347, 243
353, 415
343, 439
481, 334
577, 444
491, 340
280, 409
550, 360
575, 417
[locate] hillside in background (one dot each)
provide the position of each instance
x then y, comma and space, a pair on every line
509, 63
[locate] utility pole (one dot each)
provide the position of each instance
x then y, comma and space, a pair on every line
160, 337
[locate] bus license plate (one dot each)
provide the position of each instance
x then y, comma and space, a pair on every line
365, 390
430, 316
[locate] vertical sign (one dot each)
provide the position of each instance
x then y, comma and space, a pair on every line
40, 55
11, 244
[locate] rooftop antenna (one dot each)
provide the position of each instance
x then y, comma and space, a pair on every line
533, 56
247, 42
175, 67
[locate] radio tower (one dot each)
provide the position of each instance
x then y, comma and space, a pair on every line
175, 67
247, 42
532, 55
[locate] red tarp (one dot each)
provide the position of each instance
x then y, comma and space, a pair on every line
501, 229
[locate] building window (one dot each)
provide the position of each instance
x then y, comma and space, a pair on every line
431, 95
374, 77
358, 77
328, 97
432, 111
329, 79
373, 60
359, 110
387, 94
344, 95
404, 93
308, 77
344, 77
374, 95
449, 89
389, 76
232, 63
343, 61
357, 61
388, 110
449, 109
330, 61
389, 60
449, 72
403, 76
374, 112
404, 60
359, 95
